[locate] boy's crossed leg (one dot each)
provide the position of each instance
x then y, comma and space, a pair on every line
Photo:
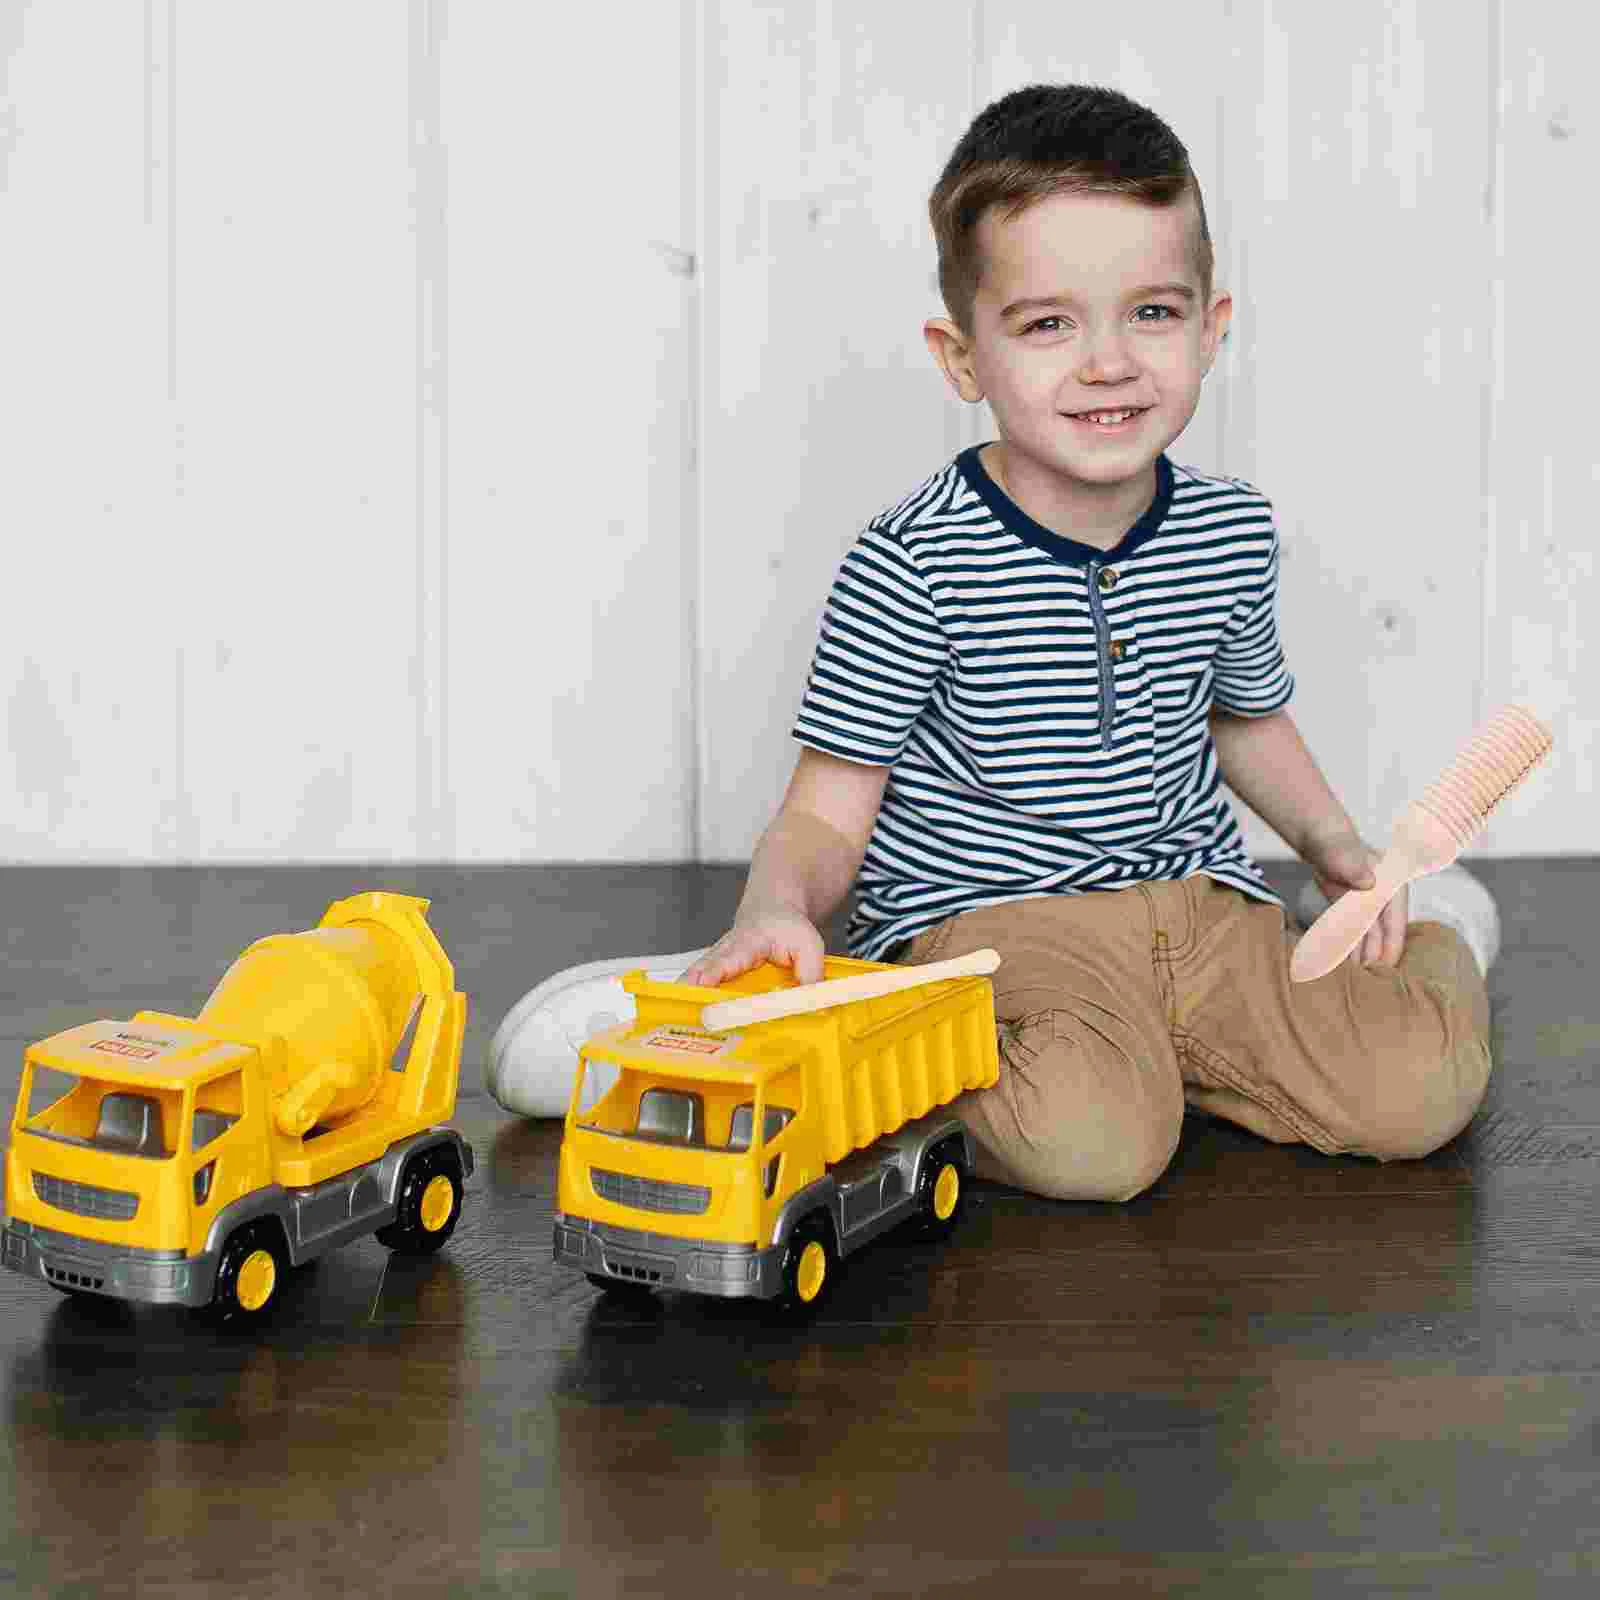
1118, 1007
1388, 1062
1089, 1102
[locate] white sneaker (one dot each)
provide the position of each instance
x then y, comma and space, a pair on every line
535, 1049
1451, 895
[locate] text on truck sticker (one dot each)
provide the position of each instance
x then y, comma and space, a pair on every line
136, 1045
689, 1041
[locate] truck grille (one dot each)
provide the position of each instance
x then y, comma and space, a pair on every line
85, 1199
647, 1194
73, 1280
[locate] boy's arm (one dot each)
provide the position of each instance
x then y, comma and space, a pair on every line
808, 858
802, 868
1265, 762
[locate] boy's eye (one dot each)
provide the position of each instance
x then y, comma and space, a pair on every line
1171, 315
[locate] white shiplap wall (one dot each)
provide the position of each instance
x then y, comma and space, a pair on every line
431, 429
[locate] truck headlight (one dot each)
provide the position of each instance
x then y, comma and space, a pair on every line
721, 1269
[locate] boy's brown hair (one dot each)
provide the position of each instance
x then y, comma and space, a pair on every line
1053, 139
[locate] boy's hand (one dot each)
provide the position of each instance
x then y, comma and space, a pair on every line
1342, 861
773, 933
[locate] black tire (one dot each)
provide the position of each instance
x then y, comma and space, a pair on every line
420, 1227
810, 1268
942, 1190
250, 1276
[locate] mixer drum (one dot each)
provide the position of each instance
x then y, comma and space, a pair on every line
340, 998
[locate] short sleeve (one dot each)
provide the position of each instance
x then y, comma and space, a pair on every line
1250, 677
879, 653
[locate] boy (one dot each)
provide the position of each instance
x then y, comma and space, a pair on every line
1032, 673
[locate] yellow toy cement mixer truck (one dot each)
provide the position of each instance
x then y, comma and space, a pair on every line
747, 1144
192, 1162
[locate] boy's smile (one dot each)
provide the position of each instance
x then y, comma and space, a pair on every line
1090, 303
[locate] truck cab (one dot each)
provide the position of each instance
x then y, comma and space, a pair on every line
712, 1157
134, 1138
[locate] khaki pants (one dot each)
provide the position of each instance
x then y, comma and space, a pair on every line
1117, 1008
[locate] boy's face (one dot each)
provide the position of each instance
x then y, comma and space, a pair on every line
1110, 342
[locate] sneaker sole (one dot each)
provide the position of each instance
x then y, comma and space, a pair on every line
606, 979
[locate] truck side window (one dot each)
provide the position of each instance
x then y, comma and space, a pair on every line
218, 1105
744, 1120
673, 1115
130, 1122
209, 1125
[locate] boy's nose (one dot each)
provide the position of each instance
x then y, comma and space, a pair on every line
1106, 357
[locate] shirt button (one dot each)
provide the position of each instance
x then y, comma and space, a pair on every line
1108, 579
1118, 648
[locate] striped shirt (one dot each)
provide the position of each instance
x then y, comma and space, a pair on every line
1042, 703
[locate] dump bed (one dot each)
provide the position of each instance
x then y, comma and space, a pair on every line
870, 1065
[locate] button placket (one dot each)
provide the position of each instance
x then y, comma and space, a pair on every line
1107, 580
1108, 684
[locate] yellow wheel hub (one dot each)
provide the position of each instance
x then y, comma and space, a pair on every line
813, 1269
258, 1277
437, 1200
946, 1191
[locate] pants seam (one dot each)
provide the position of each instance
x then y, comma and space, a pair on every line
1161, 965
1273, 1100
1196, 1055
1163, 940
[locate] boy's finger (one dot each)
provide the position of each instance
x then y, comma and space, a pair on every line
707, 971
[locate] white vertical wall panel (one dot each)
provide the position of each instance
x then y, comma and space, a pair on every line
571, 624
1358, 158
1541, 590
825, 128
87, 646
292, 557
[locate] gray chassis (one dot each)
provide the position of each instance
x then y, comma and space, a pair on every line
864, 1195
313, 1220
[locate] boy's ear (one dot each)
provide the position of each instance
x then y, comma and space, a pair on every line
1222, 317
949, 350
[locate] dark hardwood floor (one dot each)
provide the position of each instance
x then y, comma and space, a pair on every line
1275, 1374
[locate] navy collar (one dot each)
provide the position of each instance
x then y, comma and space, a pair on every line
1056, 545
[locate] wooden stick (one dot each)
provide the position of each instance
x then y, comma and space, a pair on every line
726, 1014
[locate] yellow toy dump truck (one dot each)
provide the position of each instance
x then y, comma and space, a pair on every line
756, 1133
192, 1162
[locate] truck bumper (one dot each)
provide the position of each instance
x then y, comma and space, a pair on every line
153, 1277
659, 1261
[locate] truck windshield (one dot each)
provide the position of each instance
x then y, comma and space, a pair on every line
713, 1118
677, 1116
101, 1116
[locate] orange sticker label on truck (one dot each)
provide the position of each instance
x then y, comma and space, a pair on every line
688, 1041
139, 1047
